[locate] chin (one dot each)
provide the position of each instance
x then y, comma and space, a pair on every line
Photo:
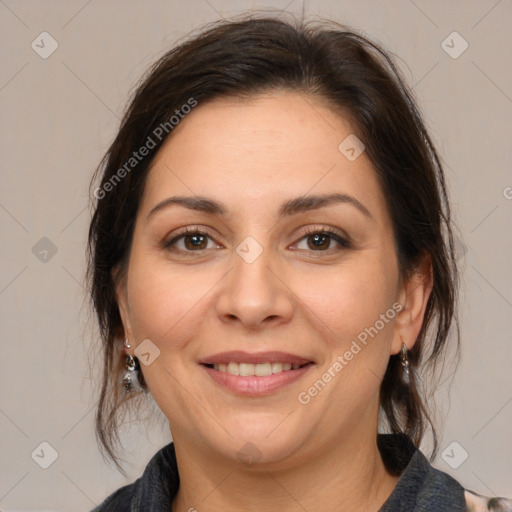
267, 444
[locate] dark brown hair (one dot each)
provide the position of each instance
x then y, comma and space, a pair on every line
357, 78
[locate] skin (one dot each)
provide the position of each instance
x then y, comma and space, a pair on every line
252, 156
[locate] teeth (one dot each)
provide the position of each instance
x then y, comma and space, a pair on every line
250, 369
277, 367
262, 370
246, 369
232, 369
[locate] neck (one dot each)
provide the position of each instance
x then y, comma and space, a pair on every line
345, 476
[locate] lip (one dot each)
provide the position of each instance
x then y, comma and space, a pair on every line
256, 386
253, 385
239, 356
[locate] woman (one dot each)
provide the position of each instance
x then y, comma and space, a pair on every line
271, 259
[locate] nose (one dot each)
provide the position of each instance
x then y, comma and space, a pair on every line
253, 295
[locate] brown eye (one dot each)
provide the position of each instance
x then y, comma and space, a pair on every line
319, 241
194, 242
323, 240
191, 240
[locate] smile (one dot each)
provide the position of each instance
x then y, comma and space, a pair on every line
251, 369
255, 374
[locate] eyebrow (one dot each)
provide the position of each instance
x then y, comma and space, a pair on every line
288, 208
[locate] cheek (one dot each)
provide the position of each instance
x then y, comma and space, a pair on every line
346, 307
168, 307
166, 304
351, 298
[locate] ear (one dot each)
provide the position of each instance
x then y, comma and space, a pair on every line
413, 296
120, 279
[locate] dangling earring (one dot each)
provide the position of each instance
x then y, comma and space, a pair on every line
130, 378
405, 362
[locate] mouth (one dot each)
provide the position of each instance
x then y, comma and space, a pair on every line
255, 370
255, 374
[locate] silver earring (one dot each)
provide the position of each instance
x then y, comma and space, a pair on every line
405, 363
130, 378
127, 344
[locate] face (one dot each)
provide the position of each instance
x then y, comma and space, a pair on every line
261, 250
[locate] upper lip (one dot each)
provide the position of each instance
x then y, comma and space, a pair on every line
239, 356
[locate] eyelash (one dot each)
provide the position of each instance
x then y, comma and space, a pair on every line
186, 232
343, 242
332, 233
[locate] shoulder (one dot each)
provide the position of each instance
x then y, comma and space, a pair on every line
477, 503
426, 488
423, 488
157, 486
119, 500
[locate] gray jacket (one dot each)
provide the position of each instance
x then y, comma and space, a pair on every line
420, 488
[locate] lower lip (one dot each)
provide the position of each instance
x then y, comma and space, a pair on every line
256, 386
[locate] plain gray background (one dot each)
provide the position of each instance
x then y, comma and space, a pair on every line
59, 115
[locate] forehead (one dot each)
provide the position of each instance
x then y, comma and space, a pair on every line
269, 147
